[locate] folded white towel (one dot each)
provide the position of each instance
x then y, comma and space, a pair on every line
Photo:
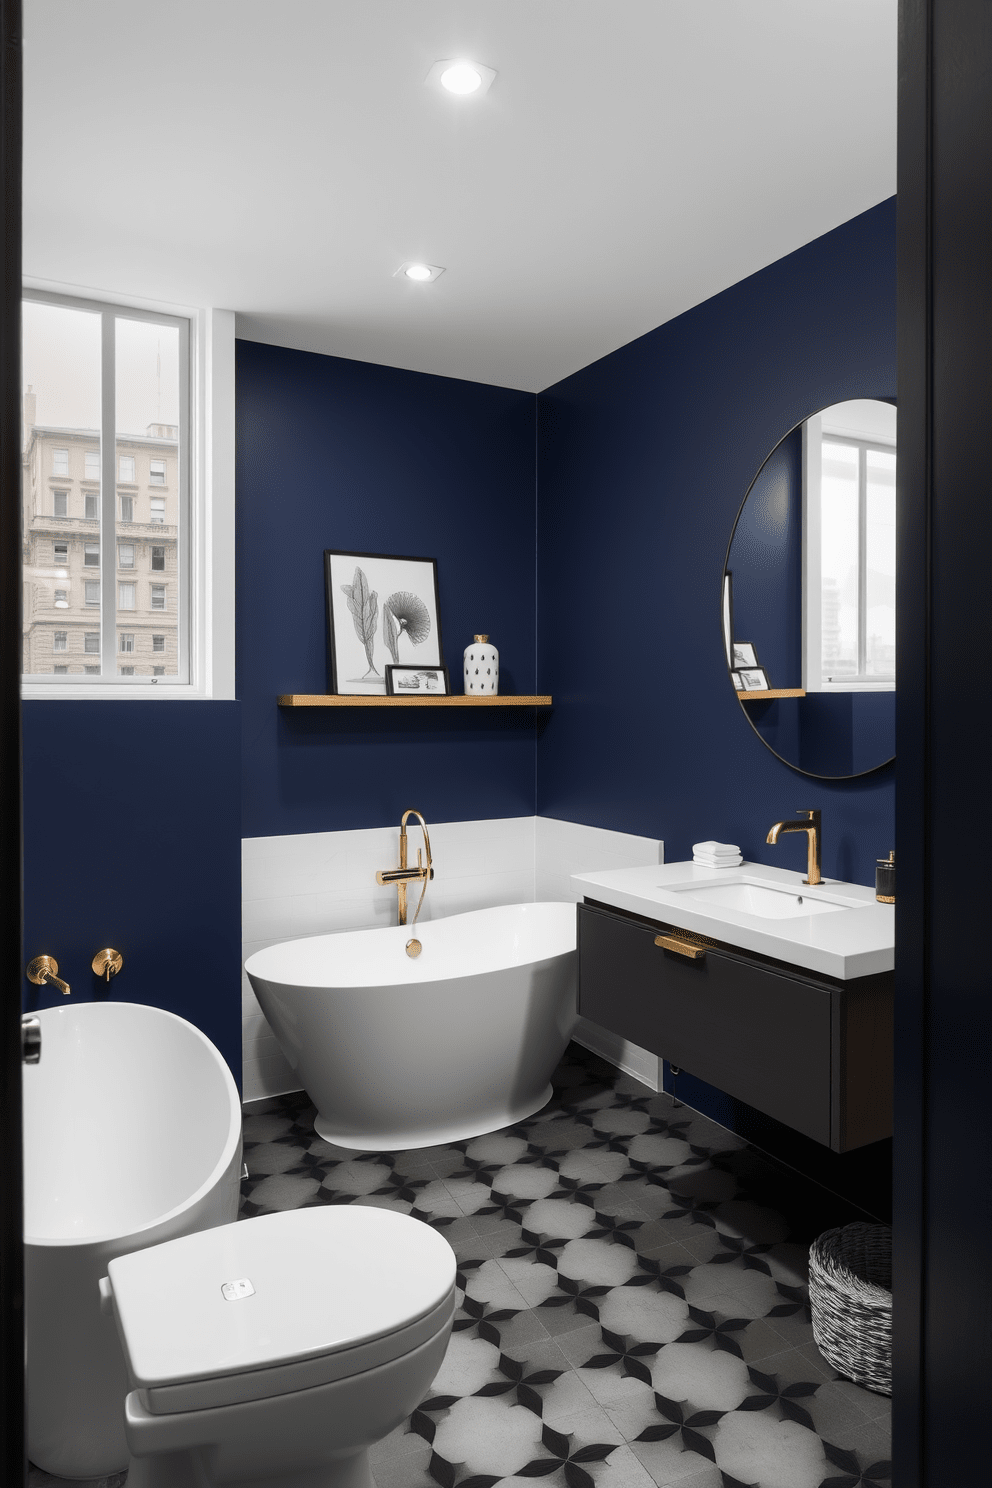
705, 861
717, 849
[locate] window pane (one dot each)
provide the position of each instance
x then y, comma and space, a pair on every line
125, 596
91, 642
61, 409
92, 671
127, 508
91, 555
125, 555
147, 397
839, 560
126, 469
61, 671
92, 509
127, 671
126, 642
59, 640
880, 559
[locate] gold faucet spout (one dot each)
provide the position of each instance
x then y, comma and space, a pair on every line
404, 874
808, 822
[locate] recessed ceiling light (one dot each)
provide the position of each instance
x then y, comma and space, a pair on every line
420, 273
460, 76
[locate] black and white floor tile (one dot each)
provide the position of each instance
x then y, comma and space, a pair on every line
633, 1306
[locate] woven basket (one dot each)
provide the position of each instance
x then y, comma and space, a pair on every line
850, 1293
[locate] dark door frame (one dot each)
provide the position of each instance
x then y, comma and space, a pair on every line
12, 1468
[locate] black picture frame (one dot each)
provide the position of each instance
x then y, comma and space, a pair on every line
362, 639
398, 679
755, 679
744, 656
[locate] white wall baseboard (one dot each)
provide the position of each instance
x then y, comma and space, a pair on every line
620, 1052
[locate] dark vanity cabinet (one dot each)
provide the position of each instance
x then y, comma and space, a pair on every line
811, 1051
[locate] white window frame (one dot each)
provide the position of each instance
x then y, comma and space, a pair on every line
153, 472
210, 518
131, 589
60, 516
130, 500
159, 591
60, 469
127, 480
813, 679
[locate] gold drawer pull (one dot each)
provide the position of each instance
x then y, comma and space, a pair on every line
683, 947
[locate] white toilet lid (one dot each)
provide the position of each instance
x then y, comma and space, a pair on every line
275, 1290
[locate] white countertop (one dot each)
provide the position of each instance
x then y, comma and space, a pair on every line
855, 940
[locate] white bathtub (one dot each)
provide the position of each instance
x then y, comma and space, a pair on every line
398, 1053
132, 1135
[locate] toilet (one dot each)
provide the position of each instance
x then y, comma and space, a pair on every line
275, 1351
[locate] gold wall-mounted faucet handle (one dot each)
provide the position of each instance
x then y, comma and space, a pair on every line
107, 963
44, 969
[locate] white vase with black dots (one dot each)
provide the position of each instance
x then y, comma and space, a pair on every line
481, 666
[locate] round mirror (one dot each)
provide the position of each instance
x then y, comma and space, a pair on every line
809, 593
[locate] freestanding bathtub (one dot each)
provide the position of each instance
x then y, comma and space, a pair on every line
132, 1135
398, 1052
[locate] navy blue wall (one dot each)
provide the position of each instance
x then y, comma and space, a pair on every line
644, 458
766, 561
342, 454
132, 840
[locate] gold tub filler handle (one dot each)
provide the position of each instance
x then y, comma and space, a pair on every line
44, 969
107, 963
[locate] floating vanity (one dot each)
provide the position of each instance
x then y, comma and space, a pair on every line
777, 993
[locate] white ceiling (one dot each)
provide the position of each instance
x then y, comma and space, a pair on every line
282, 158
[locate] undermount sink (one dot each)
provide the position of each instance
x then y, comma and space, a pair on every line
770, 902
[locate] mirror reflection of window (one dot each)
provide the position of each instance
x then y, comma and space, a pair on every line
849, 477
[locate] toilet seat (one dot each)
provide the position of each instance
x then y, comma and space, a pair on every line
331, 1291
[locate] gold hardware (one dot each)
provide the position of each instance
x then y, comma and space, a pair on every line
481, 639
403, 875
687, 948
413, 948
43, 969
107, 963
811, 826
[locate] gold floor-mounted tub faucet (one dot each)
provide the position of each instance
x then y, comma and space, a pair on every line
404, 875
811, 826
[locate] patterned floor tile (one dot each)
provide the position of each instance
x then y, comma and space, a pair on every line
633, 1304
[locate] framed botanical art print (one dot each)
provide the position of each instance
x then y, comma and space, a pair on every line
381, 611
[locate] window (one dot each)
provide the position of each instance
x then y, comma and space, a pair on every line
158, 671
158, 643
61, 671
126, 642
849, 465
61, 599
91, 671
115, 386
60, 640
127, 671
91, 642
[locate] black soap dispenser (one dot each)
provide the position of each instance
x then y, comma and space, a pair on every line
885, 879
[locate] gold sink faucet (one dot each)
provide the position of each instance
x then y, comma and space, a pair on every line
404, 875
810, 824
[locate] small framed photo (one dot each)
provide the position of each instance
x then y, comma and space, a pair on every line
754, 679
381, 611
408, 681
744, 655
737, 681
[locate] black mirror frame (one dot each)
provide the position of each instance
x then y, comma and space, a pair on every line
809, 774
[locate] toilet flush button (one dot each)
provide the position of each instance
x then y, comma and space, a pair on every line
233, 1291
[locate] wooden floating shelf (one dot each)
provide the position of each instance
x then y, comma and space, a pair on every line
456, 700
771, 692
